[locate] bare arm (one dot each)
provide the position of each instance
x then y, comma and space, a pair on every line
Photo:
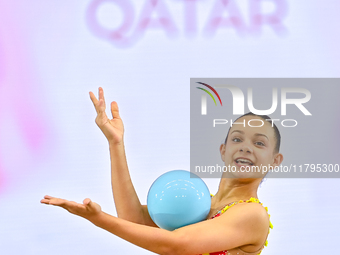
125, 197
244, 224
127, 202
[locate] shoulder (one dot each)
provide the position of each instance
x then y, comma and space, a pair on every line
250, 219
253, 212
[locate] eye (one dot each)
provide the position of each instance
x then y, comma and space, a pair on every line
260, 143
236, 139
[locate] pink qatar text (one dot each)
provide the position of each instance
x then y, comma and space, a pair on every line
224, 14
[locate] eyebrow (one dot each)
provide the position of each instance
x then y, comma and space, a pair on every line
257, 134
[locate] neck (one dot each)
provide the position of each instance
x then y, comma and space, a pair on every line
233, 189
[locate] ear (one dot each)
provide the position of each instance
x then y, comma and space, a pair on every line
278, 158
222, 151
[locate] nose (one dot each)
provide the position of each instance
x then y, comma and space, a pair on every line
245, 148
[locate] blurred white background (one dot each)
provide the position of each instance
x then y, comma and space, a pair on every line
53, 53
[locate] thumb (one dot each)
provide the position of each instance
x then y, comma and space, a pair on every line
115, 110
91, 206
87, 202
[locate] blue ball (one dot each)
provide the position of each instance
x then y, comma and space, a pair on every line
176, 200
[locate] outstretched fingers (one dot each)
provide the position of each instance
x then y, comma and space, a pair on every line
94, 100
53, 201
99, 104
71, 206
101, 95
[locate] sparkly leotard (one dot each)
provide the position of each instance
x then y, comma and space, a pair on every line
238, 251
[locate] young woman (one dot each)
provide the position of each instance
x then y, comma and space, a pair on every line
237, 223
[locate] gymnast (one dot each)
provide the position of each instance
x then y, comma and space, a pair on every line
237, 224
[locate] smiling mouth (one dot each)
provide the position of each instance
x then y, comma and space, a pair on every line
244, 162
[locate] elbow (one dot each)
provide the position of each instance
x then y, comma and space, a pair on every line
123, 216
135, 217
129, 218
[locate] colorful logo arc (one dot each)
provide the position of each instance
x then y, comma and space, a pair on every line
209, 92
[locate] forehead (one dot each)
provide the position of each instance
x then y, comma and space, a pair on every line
250, 125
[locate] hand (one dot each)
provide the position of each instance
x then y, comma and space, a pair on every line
87, 210
113, 129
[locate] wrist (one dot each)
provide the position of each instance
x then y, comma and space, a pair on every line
96, 218
115, 144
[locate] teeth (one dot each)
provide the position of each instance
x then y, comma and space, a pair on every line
244, 161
